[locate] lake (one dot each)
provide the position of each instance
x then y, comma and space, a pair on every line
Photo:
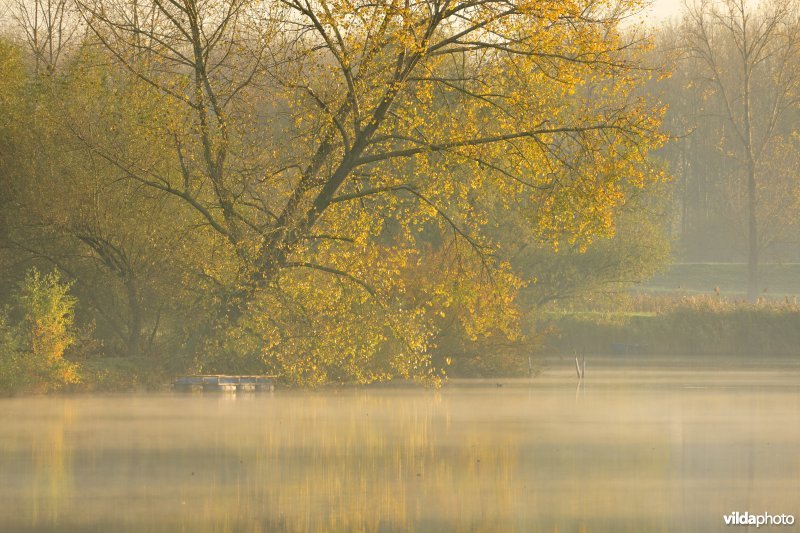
643, 446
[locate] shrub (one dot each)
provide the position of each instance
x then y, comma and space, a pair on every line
32, 350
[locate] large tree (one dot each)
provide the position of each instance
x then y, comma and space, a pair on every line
335, 164
325, 138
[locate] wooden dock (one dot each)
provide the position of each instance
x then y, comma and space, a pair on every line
223, 383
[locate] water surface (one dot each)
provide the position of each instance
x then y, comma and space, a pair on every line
641, 448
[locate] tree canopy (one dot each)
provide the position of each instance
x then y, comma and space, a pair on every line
312, 183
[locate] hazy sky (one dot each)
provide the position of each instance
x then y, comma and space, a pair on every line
664, 9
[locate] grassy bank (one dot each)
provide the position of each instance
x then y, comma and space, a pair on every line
775, 280
688, 326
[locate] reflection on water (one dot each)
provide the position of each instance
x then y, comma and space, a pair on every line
640, 450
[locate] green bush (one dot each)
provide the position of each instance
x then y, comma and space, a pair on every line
32, 348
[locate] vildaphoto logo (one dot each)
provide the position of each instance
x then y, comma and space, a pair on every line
758, 520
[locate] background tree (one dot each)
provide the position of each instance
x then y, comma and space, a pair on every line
12, 86
748, 59
71, 209
49, 27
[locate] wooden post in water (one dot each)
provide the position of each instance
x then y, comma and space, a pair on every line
580, 369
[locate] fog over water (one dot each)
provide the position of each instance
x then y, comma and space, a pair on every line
313, 193
641, 448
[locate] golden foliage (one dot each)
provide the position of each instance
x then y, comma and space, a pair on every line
336, 164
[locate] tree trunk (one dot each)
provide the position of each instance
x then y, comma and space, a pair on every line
134, 319
752, 241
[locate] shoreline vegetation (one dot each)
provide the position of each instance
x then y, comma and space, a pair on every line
372, 192
704, 325
644, 325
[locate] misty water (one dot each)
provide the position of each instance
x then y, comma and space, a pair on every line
643, 447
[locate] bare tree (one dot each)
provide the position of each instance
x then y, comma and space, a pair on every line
749, 57
49, 28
